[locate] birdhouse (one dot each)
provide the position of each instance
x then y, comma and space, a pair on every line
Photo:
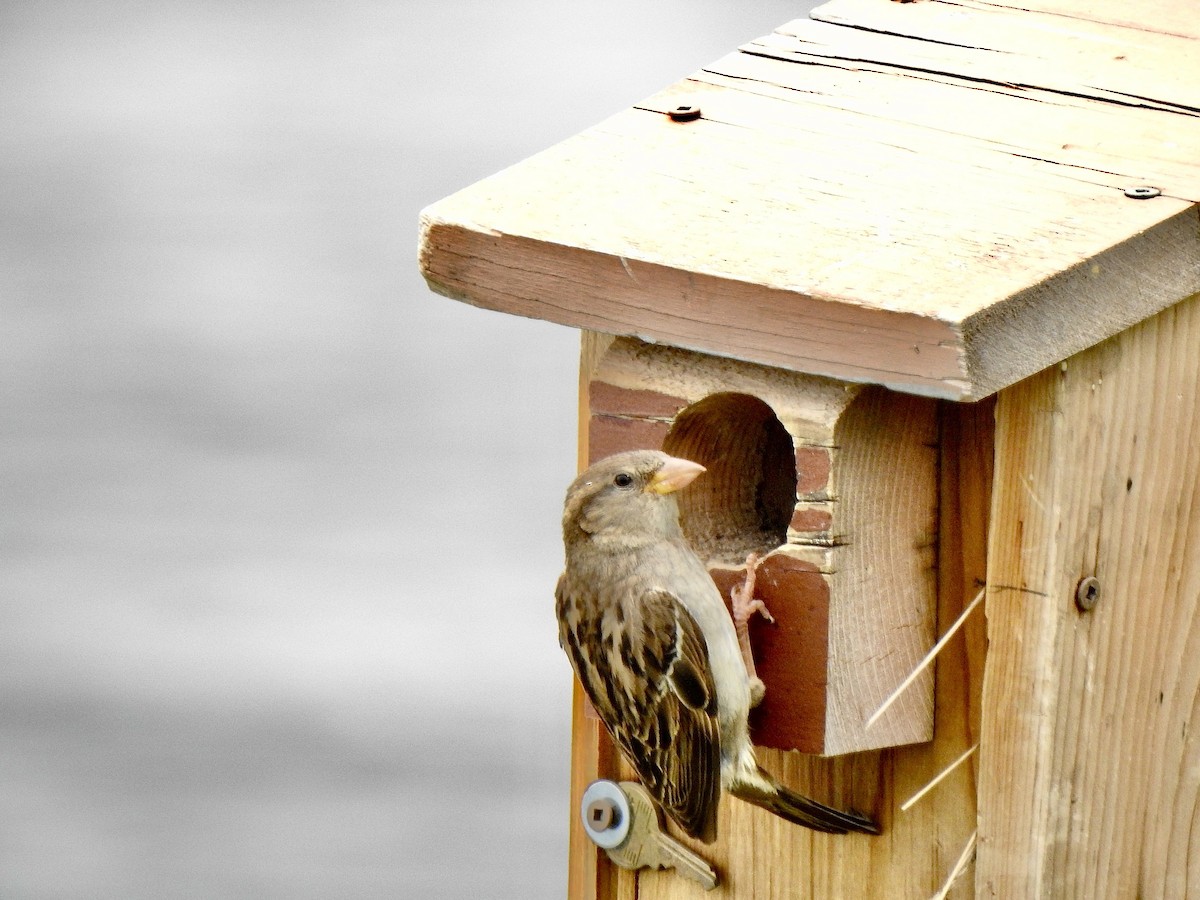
919, 284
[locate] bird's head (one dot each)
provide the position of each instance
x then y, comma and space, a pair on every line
628, 495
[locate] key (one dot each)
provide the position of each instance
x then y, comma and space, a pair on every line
649, 846
625, 822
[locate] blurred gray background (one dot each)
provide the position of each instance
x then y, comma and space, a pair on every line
280, 527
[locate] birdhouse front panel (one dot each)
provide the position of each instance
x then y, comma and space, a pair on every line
834, 487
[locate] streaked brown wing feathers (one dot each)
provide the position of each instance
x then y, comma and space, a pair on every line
644, 665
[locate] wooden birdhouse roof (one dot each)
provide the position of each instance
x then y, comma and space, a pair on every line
941, 197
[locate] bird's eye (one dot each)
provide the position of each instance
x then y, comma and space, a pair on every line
623, 479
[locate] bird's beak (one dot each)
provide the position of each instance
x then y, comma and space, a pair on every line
675, 473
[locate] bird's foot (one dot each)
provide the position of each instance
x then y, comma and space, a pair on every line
745, 605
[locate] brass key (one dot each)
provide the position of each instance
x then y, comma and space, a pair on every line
625, 822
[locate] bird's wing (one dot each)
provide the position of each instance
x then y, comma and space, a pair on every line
644, 665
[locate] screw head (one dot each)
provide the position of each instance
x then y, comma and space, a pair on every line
1087, 593
684, 113
601, 814
606, 814
1142, 192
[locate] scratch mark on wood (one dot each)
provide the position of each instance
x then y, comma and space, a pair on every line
628, 270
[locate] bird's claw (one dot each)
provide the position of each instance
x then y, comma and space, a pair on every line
745, 604
752, 607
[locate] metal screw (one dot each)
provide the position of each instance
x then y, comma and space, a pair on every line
684, 113
1087, 593
1142, 192
602, 814
606, 813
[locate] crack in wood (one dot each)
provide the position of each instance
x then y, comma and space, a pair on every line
909, 37
1181, 108
1017, 588
884, 68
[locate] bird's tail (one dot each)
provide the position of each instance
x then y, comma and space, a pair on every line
761, 789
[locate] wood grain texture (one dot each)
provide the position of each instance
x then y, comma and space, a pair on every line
882, 577
1089, 764
591, 875
927, 196
591, 749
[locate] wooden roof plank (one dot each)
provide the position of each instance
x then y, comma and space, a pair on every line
851, 203
1072, 55
1125, 141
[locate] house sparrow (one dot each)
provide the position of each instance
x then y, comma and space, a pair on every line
656, 651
